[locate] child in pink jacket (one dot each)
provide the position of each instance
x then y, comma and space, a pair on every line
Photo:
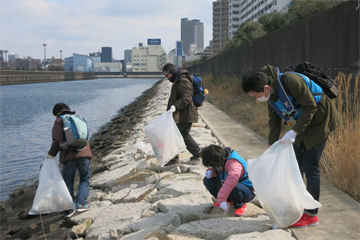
227, 178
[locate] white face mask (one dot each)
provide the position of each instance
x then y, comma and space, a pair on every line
263, 98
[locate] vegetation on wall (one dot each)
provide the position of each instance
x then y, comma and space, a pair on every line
299, 9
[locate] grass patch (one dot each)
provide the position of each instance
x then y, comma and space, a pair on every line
340, 163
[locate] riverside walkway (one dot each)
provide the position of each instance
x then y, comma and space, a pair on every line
339, 216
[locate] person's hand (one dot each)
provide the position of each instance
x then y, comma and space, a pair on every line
49, 156
289, 137
224, 205
208, 173
172, 108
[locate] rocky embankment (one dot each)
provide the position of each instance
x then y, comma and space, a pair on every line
133, 197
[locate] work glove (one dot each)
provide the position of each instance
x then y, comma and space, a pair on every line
49, 156
224, 205
208, 173
289, 137
172, 108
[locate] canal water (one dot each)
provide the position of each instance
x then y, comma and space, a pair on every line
26, 119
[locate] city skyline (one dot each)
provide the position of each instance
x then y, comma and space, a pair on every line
84, 27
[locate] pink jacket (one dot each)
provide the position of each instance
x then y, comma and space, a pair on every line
234, 171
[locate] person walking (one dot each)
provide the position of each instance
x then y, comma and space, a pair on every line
185, 112
227, 178
72, 160
315, 115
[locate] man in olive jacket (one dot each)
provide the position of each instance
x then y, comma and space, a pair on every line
180, 100
71, 160
310, 132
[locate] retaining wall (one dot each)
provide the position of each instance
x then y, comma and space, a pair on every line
22, 77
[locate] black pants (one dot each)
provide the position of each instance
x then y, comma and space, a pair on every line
190, 143
309, 165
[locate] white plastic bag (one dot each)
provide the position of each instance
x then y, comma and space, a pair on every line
165, 138
279, 186
52, 194
143, 147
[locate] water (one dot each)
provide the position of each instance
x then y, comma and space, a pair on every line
26, 119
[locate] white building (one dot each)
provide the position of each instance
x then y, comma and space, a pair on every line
246, 10
107, 67
150, 58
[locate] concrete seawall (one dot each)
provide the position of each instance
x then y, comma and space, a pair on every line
23, 77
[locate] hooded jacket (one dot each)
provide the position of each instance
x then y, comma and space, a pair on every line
316, 121
58, 135
181, 97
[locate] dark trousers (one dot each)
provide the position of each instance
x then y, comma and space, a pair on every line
239, 195
309, 165
190, 143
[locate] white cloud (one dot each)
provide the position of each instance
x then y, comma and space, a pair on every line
84, 26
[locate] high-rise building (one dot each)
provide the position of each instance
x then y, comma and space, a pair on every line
106, 54
220, 24
127, 57
192, 32
241, 11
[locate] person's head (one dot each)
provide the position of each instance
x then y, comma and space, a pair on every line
170, 71
257, 85
59, 107
213, 156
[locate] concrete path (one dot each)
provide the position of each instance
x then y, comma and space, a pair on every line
339, 216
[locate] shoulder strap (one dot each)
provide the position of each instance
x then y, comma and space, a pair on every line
282, 94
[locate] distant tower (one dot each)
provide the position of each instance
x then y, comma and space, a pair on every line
106, 54
192, 32
44, 44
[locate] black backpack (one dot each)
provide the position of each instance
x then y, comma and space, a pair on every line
322, 79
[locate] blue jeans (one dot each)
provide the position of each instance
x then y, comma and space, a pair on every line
309, 165
69, 169
239, 195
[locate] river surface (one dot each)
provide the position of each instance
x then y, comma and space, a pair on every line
26, 119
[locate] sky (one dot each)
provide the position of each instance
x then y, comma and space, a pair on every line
84, 26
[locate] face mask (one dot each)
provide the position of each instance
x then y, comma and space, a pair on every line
263, 98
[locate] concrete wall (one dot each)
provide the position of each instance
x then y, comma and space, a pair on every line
330, 40
22, 77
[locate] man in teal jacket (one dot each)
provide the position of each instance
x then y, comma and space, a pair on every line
310, 132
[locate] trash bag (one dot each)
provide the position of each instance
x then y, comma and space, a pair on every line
143, 147
165, 137
52, 194
279, 186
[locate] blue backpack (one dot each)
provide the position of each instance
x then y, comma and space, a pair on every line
76, 131
199, 94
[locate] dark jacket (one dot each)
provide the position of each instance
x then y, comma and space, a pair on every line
58, 135
181, 97
316, 121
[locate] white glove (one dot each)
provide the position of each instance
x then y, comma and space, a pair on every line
224, 205
49, 156
173, 108
208, 173
289, 137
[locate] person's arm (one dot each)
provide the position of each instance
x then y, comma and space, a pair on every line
185, 92
234, 171
57, 135
298, 89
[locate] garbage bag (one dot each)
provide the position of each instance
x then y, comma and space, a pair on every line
52, 194
143, 147
279, 186
165, 137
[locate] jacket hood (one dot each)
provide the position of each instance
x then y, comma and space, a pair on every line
270, 71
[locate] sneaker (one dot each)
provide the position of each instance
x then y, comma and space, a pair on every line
217, 205
69, 213
173, 161
82, 208
240, 211
305, 221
